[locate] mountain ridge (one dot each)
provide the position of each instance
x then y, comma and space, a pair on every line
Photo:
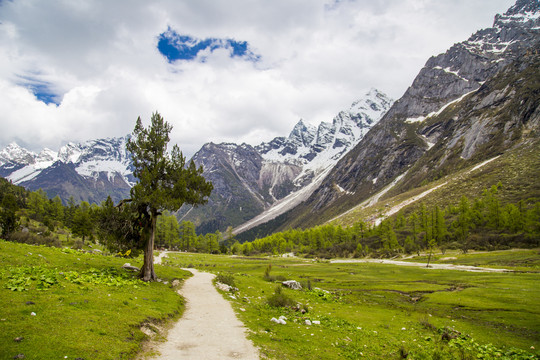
88, 171
412, 127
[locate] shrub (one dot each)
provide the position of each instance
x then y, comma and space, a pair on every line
272, 278
226, 278
34, 239
306, 285
77, 245
279, 299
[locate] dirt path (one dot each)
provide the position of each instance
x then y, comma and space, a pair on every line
209, 328
431, 266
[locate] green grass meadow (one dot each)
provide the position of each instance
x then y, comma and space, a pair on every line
378, 311
85, 305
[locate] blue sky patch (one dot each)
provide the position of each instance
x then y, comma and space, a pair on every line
42, 90
174, 46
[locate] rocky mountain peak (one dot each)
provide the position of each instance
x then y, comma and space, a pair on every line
47, 155
302, 133
16, 154
523, 7
70, 152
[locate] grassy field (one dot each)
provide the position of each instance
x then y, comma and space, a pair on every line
380, 311
86, 307
58, 304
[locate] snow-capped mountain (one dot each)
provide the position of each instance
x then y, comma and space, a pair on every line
13, 153
87, 171
268, 179
315, 149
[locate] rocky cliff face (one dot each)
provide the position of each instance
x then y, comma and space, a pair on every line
419, 123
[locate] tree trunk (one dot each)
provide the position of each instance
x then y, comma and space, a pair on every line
147, 271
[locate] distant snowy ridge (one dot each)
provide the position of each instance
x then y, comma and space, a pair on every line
91, 159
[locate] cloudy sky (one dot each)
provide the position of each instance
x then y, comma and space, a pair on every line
217, 70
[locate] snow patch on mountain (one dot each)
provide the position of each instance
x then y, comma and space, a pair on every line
438, 112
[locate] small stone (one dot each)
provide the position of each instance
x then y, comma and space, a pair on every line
18, 339
30, 303
403, 328
308, 322
316, 322
283, 317
242, 309
33, 313
175, 282
19, 356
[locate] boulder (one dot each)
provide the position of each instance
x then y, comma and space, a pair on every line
281, 320
292, 284
128, 267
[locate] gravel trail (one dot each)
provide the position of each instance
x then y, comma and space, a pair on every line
209, 328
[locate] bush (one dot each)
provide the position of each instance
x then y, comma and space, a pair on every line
77, 245
306, 285
226, 278
279, 299
34, 239
272, 278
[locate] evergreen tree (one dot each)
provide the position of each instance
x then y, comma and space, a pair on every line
187, 236
167, 234
119, 227
83, 224
9, 220
164, 181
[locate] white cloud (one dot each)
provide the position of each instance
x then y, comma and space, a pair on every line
317, 57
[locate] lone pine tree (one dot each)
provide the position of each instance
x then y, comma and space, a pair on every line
164, 182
